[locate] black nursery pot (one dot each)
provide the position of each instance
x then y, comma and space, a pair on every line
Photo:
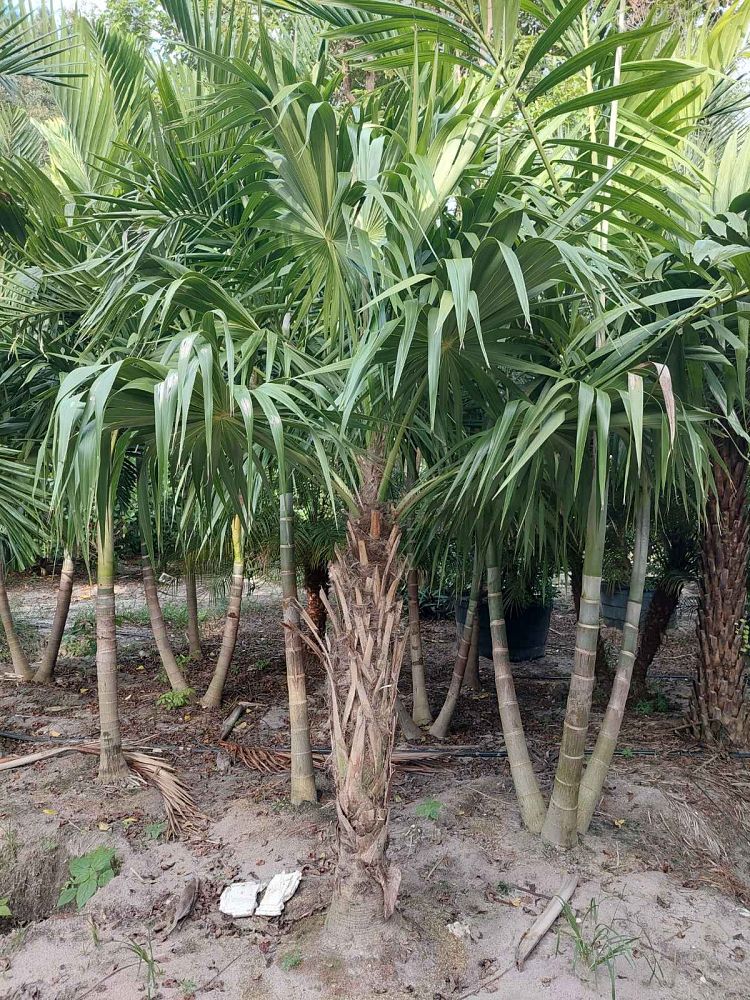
527, 629
615, 604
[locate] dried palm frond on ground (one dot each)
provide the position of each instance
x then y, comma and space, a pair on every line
270, 760
690, 832
179, 805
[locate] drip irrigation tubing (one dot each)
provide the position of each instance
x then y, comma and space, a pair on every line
468, 752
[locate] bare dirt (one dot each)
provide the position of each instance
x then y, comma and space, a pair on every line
666, 863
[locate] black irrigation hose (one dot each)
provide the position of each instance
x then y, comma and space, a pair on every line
471, 752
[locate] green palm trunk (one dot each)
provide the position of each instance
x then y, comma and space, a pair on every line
441, 725
420, 702
598, 765
112, 766
193, 625
302, 772
530, 801
561, 823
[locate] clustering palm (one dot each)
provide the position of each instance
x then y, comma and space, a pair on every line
471, 280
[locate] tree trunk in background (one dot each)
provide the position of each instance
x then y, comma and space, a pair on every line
112, 766
302, 772
420, 702
64, 592
212, 697
193, 625
441, 725
363, 652
158, 627
18, 657
561, 823
530, 801
316, 579
719, 709
595, 774
407, 725
471, 678
656, 621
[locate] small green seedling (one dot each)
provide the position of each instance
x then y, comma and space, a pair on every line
175, 699
154, 831
145, 955
292, 960
88, 873
188, 988
429, 809
627, 753
657, 704
4, 908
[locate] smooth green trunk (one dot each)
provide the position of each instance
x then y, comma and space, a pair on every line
18, 657
112, 766
441, 725
158, 626
64, 593
302, 772
471, 678
530, 801
215, 690
193, 625
595, 774
561, 823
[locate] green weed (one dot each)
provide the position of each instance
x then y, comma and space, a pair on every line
596, 944
88, 873
429, 809
175, 699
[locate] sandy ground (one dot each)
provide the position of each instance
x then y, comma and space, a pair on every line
666, 863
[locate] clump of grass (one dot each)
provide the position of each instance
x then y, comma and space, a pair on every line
172, 700
656, 704
291, 960
596, 944
429, 809
145, 955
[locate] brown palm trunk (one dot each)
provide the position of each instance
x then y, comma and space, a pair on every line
719, 709
316, 580
215, 690
112, 766
17, 655
362, 654
420, 702
158, 626
64, 592
663, 605
302, 774
193, 625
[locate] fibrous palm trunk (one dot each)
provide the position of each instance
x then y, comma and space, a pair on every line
17, 655
64, 592
719, 709
112, 766
212, 697
302, 772
663, 605
471, 678
530, 801
362, 654
158, 626
441, 725
420, 702
595, 774
193, 627
317, 580
561, 823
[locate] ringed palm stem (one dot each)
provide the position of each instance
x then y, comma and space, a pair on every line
62, 607
17, 655
302, 772
193, 626
158, 626
561, 823
530, 801
420, 702
471, 678
600, 760
441, 725
112, 766
212, 697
